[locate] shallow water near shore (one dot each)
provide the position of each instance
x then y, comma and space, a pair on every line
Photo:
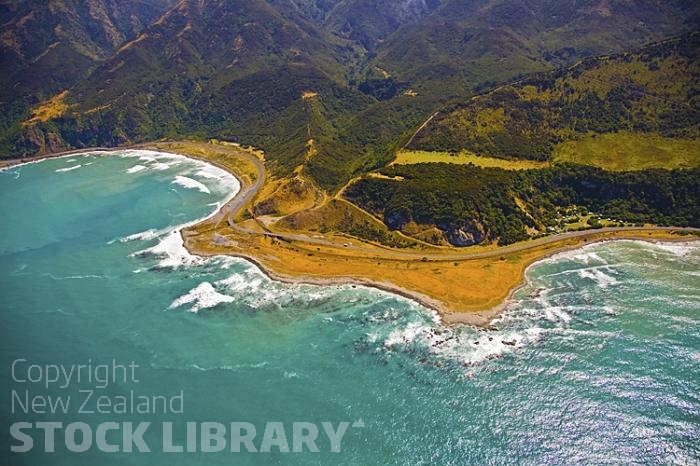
595, 362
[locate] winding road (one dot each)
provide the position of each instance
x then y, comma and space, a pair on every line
248, 193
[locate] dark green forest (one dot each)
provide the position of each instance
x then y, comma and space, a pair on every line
454, 196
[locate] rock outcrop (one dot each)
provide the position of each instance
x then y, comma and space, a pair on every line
468, 234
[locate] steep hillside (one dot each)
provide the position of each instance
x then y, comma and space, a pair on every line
653, 91
370, 22
478, 42
452, 49
240, 70
47, 47
211, 68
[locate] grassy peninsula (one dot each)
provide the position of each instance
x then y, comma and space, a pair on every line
465, 286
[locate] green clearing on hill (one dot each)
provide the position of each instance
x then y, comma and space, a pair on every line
628, 151
409, 157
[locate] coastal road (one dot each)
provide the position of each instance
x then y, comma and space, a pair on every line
459, 256
246, 195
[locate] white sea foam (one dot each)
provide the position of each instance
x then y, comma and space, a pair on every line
154, 160
190, 184
144, 155
33, 162
587, 257
147, 235
68, 169
556, 314
171, 248
677, 249
254, 289
172, 252
136, 169
204, 296
582, 254
160, 166
74, 277
542, 314
462, 345
583, 333
212, 172
250, 280
144, 158
257, 290
598, 276
17, 173
407, 334
142, 236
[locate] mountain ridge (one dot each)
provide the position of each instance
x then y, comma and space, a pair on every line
194, 71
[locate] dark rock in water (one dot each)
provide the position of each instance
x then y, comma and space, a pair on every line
159, 269
509, 342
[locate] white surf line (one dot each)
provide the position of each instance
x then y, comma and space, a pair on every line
69, 169
189, 183
95, 152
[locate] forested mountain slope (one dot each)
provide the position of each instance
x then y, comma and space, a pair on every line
48, 46
335, 86
655, 90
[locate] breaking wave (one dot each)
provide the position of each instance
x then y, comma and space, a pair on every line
190, 183
136, 169
204, 296
68, 169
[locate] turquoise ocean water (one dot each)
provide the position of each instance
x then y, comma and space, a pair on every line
596, 362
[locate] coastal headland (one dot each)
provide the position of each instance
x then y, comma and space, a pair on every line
467, 286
